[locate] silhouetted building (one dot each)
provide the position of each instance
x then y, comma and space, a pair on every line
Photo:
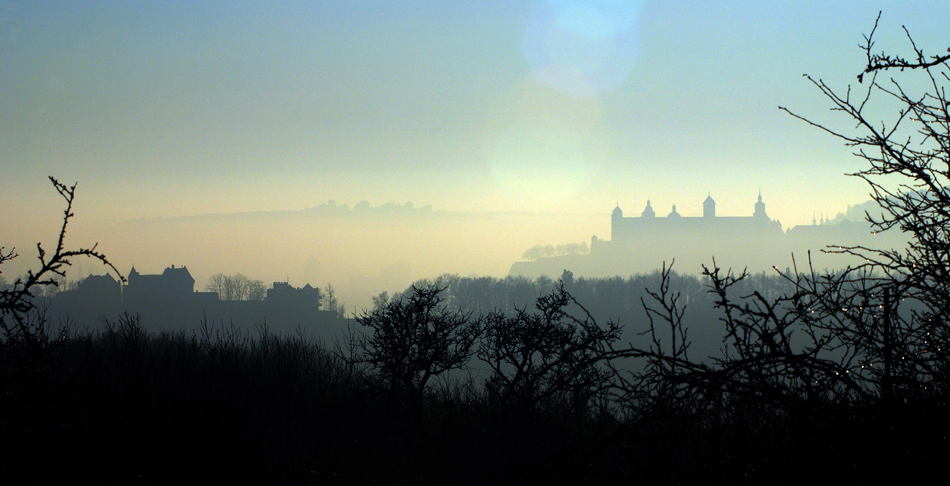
96, 299
100, 287
709, 207
756, 242
676, 229
173, 283
169, 301
282, 293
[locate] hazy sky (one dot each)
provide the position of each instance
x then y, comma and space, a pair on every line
180, 108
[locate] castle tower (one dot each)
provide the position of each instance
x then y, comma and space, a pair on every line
616, 219
648, 211
709, 207
760, 209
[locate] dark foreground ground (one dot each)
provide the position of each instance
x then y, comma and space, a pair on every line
125, 406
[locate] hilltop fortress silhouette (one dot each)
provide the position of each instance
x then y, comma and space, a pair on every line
641, 244
638, 231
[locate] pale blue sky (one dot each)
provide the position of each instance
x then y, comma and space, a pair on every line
181, 108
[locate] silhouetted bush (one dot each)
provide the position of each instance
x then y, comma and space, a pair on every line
412, 339
549, 358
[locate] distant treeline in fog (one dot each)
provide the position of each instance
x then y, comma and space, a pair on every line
620, 299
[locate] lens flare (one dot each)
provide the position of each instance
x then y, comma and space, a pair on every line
538, 169
582, 48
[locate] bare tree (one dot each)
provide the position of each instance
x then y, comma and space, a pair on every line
329, 301
236, 287
548, 356
908, 159
16, 302
410, 340
217, 284
256, 290
908, 172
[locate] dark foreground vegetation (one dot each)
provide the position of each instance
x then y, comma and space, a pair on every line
834, 378
125, 406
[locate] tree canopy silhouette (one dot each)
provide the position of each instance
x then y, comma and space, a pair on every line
411, 339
